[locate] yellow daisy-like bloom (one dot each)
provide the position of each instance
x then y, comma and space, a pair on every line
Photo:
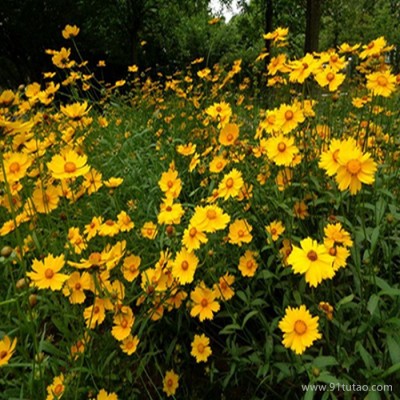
288, 117
7, 349
220, 112
217, 164
170, 212
16, 166
113, 182
103, 395
335, 234
248, 264
209, 219
239, 232
329, 160
125, 223
149, 230
56, 389
184, 266
193, 238
201, 349
329, 77
170, 184
381, 83
231, 184
373, 48
278, 64
303, 68
312, 260
340, 255
46, 199
46, 274
278, 35
123, 322
275, 229
334, 61
170, 383
186, 149
204, 303
129, 344
223, 288
70, 31
281, 150
61, 58
75, 111
355, 168
130, 267
75, 285
94, 315
229, 134
68, 165
300, 329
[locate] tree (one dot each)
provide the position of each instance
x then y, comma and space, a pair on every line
313, 23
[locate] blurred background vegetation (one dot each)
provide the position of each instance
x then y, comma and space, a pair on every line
165, 36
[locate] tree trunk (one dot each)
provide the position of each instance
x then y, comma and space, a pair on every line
313, 21
268, 27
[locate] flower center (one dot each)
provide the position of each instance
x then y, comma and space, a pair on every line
305, 65
49, 273
219, 165
69, 167
95, 258
96, 310
230, 137
330, 76
58, 389
211, 214
354, 167
312, 255
229, 183
335, 155
170, 184
109, 222
332, 251
289, 115
249, 264
192, 232
273, 231
334, 57
204, 303
185, 265
223, 286
168, 208
371, 45
3, 354
300, 327
382, 80
170, 382
78, 286
271, 119
14, 167
281, 147
219, 109
200, 347
240, 233
124, 323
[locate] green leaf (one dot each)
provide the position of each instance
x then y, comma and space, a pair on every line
324, 361
374, 238
394, 368
228, 329
248, 316
344, 301
372, 303
328, 378
394, 348
365, 356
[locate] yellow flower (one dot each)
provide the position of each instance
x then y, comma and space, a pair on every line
7, 349
170, 184
329, 77
209, 219
355, 168
125, 223
248, 264
75, 111
201, 349
103, 395
313, 260
184, 266
187, 149
170, 383
303, 68
330, 159
381, 83
239, 232
45, 274
46, 199
130, 267
133, 68
75, 285
113, 182
70, 31
217, 164
288, 117
373, 48
61, 58
204, 303
129, 344
193, 238
278, 35
149, 230
170, 212
275, 229
335, 234
220, 112
281, 150
94, 315
123, 322
68, 165
16, 166
299, 328
229, 134
56, 389
231, 184
278, 64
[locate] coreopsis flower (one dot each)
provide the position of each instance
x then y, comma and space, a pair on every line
381, 83
170, 383
327, 309
346, 48
170, 212
113, 182
229, 134
95, 314
129, 344
68, 165
70, 31
56, 389
75, 286
329, 77
209, 219
61, 58
223, 288
75, 111
300, 329
336, 234
79, 347
248, 264
193, 238
130, 267
284, 178
16, 166
170, 184
281, 150
204, 303
220, 112
303, 68
149, 230
334, 61
46, 198
288, 117
133, 68
278, 35
92, 229
240, 232
103, 395
355, 168
109, 228
275, 229
76, 240
123, 322
184, 266
201, 349
217, 164
312, 260
278, 64
7, 349
231, 184
300, 210
46, 274
124, 221
373, 48
340, 254
186, 149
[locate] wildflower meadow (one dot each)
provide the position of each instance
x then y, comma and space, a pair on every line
203, 234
